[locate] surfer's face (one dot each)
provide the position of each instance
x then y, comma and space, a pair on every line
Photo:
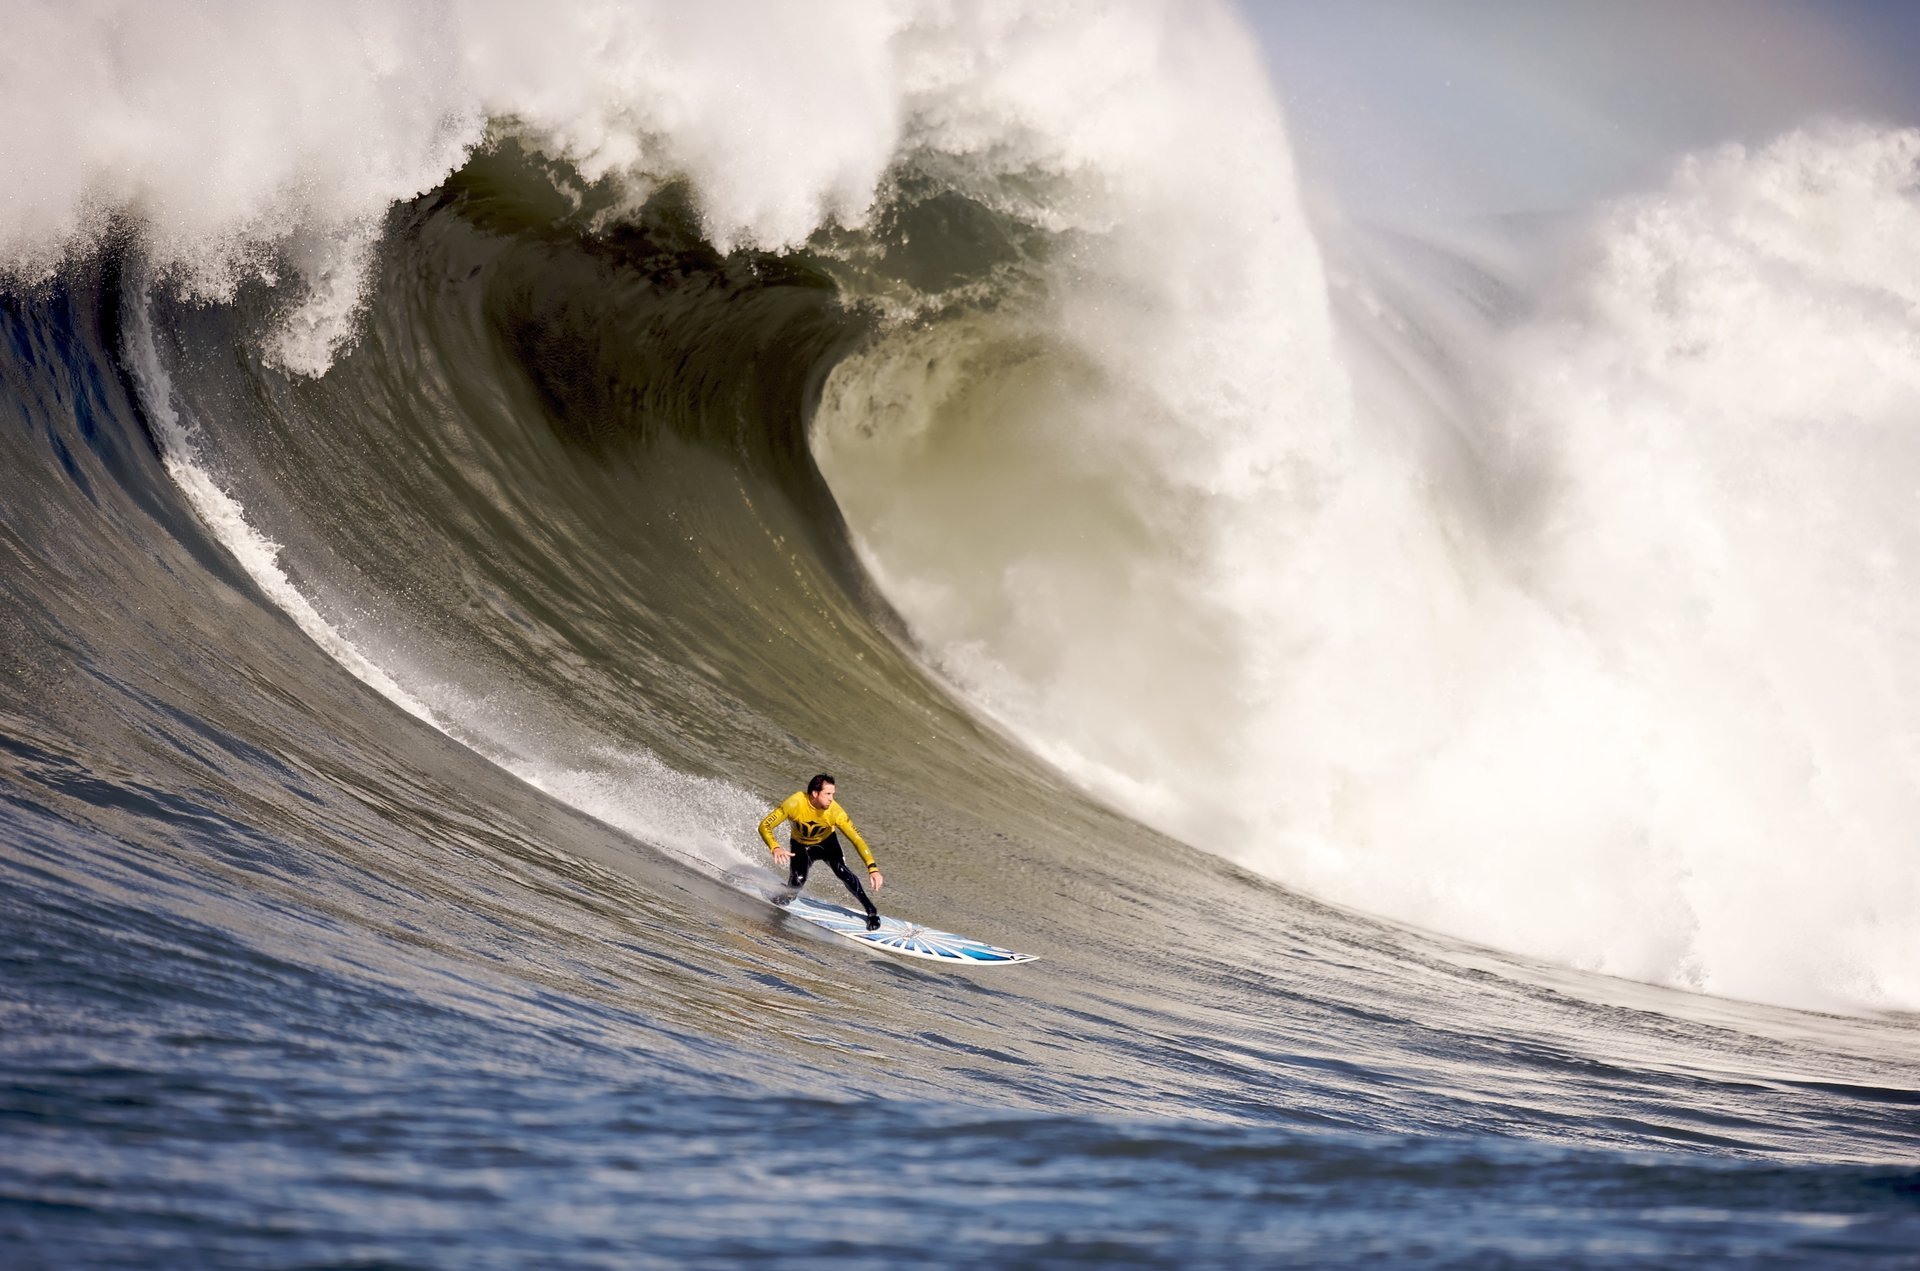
821, 798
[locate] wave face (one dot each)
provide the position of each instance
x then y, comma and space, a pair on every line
1440, 715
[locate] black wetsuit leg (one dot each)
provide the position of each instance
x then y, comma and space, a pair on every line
829, 850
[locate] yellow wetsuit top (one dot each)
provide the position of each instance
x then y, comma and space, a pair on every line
811, 825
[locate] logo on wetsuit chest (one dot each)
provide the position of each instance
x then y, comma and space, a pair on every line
811, 833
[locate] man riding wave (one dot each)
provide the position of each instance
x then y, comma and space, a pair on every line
818, 823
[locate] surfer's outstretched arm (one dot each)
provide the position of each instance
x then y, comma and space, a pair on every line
844, 824
768, 824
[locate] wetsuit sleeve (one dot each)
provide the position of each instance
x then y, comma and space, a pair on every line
845, 824
771, 822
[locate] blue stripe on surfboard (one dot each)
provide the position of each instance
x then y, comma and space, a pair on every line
903, 937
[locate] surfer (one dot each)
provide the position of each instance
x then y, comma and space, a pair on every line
818, 823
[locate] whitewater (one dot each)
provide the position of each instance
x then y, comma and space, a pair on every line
1438, 695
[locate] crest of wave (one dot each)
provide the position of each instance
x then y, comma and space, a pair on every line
269, 139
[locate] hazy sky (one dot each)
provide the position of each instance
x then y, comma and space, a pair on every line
1417, 109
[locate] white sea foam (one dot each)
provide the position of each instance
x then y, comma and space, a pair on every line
1652, 712
247, 139
1659, 719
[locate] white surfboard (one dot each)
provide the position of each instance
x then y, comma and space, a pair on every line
907, 938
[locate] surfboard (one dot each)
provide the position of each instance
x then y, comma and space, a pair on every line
909, 939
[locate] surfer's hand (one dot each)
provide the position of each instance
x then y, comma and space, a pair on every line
874, 877
781, 856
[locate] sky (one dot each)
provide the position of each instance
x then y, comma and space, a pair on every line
1424, 110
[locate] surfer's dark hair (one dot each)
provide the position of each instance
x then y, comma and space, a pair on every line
824, 779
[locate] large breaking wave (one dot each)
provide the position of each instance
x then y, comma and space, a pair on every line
1566, 609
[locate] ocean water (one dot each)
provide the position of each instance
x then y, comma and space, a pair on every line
1439, 699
